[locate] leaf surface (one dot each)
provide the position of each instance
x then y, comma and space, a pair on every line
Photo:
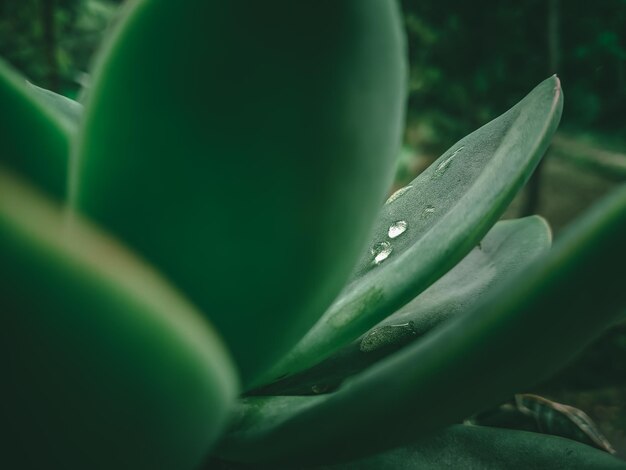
483, 448
35, 141
534, 413
105, 365
468, 364
252, 185
70, 111
427, 227
507, 248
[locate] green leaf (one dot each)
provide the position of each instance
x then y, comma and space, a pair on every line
427, 227
35, 142
507, 248
482, 448
469, 363
104, 364
254, 184
68, 110
534, 413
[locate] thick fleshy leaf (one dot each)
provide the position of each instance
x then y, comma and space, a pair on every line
104, 364
470, 363
482, 448
252, 184
508, 247
35, 141
534, 413
428, 226
66, 109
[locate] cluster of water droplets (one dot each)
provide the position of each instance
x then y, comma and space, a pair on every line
381, 250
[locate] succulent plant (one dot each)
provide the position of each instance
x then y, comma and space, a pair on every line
199, 268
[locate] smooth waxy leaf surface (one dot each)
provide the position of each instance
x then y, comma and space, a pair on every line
104, 364
507, 248
35, 141
252, 184
427, 227
483, 448
469, 363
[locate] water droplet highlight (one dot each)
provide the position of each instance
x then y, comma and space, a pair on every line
428, 211
400, 192
444, 165
388, 335
320, 388
397, 228
381, 251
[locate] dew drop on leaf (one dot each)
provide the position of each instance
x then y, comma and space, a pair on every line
400, 192
444, 165
397, 228
381, 251
387, 335
428, 211
318, 389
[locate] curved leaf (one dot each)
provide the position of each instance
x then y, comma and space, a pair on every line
251, 184
469, 363
431, 224
68, 110
534, 413
35, 142
483, 448
507, 248
104, 364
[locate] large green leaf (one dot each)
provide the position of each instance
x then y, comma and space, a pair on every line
558, 304
252, 184
431, 224
35, 141
481, 448
508, 247
104, 365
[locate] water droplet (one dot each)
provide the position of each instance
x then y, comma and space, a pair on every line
320, 388
400, 192
428, 211
444, 165
381, 251
388, 335
397, 228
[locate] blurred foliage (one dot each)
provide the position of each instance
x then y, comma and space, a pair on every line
602, 365
52, 41
470, 60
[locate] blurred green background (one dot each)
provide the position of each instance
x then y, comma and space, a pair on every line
470, 61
